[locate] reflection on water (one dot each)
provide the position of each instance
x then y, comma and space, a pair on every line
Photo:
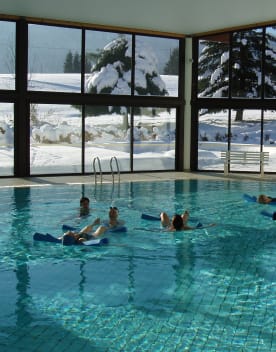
210, 289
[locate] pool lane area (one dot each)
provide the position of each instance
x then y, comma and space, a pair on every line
210, 289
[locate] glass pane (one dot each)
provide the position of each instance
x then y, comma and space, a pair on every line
106, 136
245, 135
154, 139
55, 141
54, 59
270, 63
7, 55
6, 139
108, 63
156, 66
213, 67
212, 138
246, 61
269, 139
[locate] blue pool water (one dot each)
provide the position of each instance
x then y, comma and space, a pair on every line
202, 290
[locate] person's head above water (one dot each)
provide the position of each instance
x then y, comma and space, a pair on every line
113, 212
177, 222
263, 199
84, 205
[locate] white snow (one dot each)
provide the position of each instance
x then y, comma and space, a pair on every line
55, 135
245, 136
154, 141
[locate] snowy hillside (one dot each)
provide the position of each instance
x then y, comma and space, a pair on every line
56, 136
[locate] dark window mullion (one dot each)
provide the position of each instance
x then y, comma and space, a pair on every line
21, 109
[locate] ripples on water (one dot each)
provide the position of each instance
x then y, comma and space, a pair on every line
203, 290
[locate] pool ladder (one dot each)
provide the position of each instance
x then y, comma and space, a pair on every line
112, 160
97, 162
97, 169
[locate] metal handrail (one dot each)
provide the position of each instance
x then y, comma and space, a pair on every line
97, 159
117, 167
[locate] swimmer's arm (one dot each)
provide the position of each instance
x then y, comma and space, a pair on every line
165, 220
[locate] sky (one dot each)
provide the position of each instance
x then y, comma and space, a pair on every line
56, 42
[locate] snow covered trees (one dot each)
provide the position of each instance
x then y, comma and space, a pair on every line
246, 61
112, 72
247, 78
213, 69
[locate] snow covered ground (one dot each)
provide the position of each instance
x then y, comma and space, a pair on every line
246, 136
56, 134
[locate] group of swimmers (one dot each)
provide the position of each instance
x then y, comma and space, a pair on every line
178, 222
88, 233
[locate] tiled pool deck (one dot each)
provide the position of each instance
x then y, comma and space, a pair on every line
133, 177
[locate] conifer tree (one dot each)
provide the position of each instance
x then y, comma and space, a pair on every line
246, 61
88, 65
270, 63
213, 67
111, 74
76, 63
68, 64
171, 67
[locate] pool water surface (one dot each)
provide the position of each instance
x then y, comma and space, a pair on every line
210, 289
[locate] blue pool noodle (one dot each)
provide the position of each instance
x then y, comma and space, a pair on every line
269, 214
249, 198
150, 217
67, 241
112, 229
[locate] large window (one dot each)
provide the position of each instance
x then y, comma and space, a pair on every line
246, 135
106, 136
213, 66
269, 138
156, 66
234, 104
54, 59
7, 55
70, 94
154, 139
212, 138
246, 64
108, 60
6, 139
56, 139
270, 62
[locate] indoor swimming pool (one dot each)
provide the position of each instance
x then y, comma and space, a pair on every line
211, 289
